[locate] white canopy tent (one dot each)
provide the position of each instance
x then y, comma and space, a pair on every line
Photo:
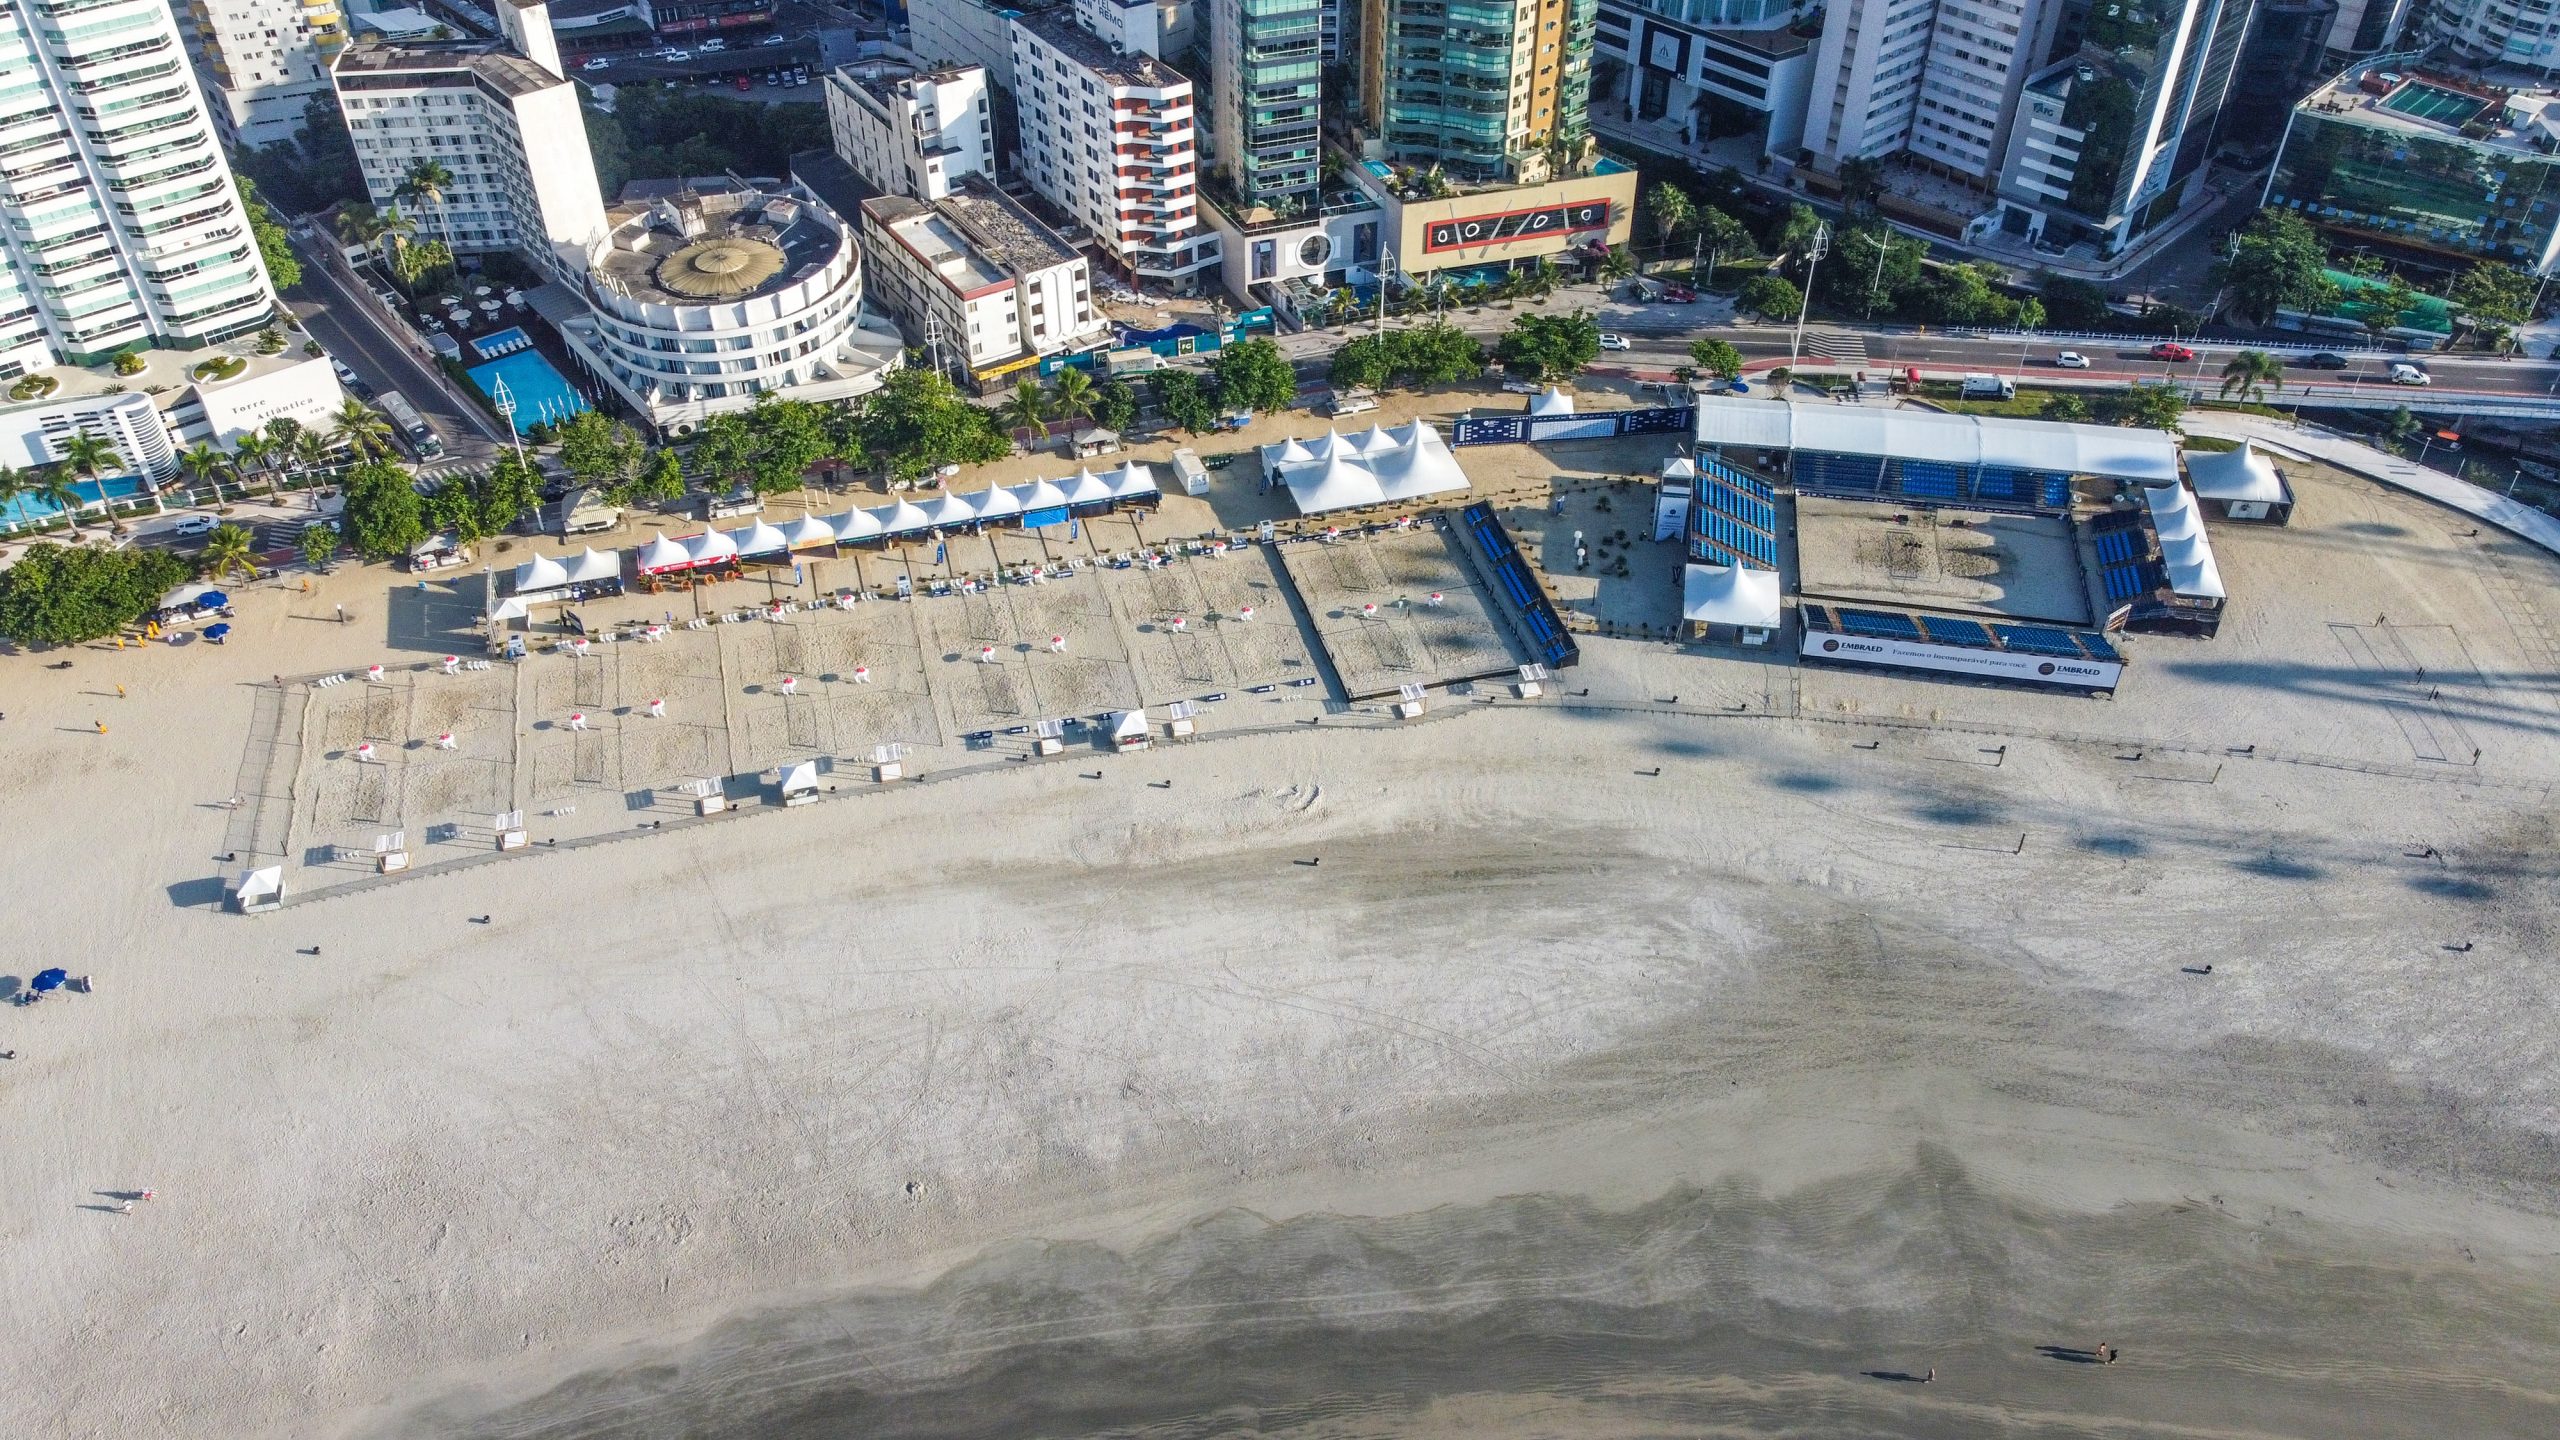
2244, 482
807, 532
538, 574
662, 554
710, 547
2185, 551
593, 565
1345, 478
1730, 595
760, 538
1553, 401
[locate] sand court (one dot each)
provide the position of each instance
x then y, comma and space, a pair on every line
1369, 599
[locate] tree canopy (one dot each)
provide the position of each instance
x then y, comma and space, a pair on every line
1434, 354
918, 422
1771, 297
2277, 264
1550, 347
1184, 399
65, 594
384, 516
1254, 375
1716, 357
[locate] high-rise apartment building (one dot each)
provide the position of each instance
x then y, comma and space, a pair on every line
502, 122
125, 228
1486, 90
1935, 81
979, 277
1266, 91
1692, 66
2521, 33
1109, 138
908, 131
2108, 138
263, 62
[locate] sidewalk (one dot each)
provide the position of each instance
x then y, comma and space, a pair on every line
2310, 442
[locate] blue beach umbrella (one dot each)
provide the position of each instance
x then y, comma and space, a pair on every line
51, 979
217, 633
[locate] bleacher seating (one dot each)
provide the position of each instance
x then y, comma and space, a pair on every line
1951, 630
2110, 520
2097, 646
1723, 540
1747, 483
2123, 582
1946, 630
1545, 628
2117, 547
1930, 480
2037, 640
1882, 624
1851, 475
1750, 510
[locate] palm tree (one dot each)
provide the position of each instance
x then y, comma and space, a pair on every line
90, 458
252, 451
310, 450
1618, 264
1672, 212
204, 466
426, 183
282, 431
1544, 277
383, 230
361, 430
1074, 397
2250, 372
53, 485
228, 549
1027, 409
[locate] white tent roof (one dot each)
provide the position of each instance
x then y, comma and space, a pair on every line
759, 539
1679, 467
1086, 488
708, 546
904, 518
1129, 724
1042, 495
799, 777
952, 511
594, 565
1130, 480
806, 531
1553, 402
854, 525
1730, 595
662, 553
2185, 551
1376, 441
1002, 501
1336, 484
1419, 466
540, 573
2149, 456
2242, 474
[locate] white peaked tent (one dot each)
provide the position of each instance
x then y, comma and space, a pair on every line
951, 512
1086, 488
1553, 401
1377, 442
540, 573
1044, 495
662, 554
1730, 595
760, 538
806, 532
1132, 481
1129, 730
854, 525
904, 518
1408, 469
593, 565
710, 547
2185, 551
1001, 503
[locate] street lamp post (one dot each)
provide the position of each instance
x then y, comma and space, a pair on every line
1813, 253
503, 401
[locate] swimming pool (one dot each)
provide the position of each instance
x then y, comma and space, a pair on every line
505, 342
2434, 102
541, 396
29, 510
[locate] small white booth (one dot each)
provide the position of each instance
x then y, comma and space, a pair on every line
1129, 730
2244, 483
258, 890
797, 784
1744, 600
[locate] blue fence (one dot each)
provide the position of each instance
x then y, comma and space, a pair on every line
1548, 639
1539, 429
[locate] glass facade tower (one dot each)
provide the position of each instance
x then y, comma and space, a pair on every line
1266, 90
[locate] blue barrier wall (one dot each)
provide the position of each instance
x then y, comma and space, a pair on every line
1538, 429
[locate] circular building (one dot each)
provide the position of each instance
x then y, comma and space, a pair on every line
700, 302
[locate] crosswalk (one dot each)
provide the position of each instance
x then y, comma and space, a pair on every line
1840, 347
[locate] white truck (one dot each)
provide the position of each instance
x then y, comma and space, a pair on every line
1989, 387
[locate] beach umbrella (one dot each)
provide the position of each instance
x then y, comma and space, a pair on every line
373, 672
578, 645
489, 305
50, 979
577, 720
1179, 624
790, 684
445, 741
1245, 614
986, 654
1368, 612
212, 600
215, 633
1436, 597
656, 632
452, 663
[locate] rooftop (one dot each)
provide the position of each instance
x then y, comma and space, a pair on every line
1059, 30
164, 377
884, 79
695, 249
389, 66
824, 174
2150, 456
2520, 117
976, 237
1776, 44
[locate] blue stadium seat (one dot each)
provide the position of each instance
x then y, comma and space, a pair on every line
2097, 646
2038, 640
1882, 624
2123, 582
1947, 630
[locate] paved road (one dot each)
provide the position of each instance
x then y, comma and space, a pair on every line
346, 326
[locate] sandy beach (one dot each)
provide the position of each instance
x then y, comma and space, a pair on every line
1563, 1096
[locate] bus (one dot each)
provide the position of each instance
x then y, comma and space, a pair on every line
412, 426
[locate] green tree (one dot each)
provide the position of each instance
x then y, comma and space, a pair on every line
2149, 407
2400, 423
1436, 354
917, 423
2066, 407
2493, 296
360, 429
1255, 376
1722, 238
67, 594
1363, 363
510, 491
1026, 409
1793, 232
1550, 347
318, 543
205, 465
1877, 268
275, 247
2251, 372
1184, 399
90, 458
228, 549
793, 436
1071, 396
724, 450
252, 453
2075, 304
2386, 308
453, 508
661, 479
2278, 263
427, 182
1618, 264
1716, 358
1115, 406
599, 452
1861, 184
310, 450
1671, 212
1771, 297
55, 487
383, 516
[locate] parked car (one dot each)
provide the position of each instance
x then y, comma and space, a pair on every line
775, 40
714, 47
745, 84
597, 63
1610, 340
1679, 294
773, 77
2072, 360
2404, 373
2325, 360
675, 54
2171, 350
194, 525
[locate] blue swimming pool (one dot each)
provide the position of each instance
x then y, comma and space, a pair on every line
28, 509
505, 342
541, 396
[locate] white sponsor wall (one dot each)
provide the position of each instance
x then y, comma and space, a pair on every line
1961, 660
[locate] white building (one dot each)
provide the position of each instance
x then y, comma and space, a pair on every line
124, 227
966, 32
503, 122
152, 416
1109, 138
1934, 80
1681, 57
979, 278
909, 131
697, 303
263, 62
1162, 28
2522, 33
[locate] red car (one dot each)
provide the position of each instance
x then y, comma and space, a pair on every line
2171, 350
745, 84
1679, 295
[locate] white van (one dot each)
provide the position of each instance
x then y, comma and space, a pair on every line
2404, 373
1990, 387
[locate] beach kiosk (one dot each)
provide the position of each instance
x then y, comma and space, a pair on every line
1409, 702
1719, 598
1193, 475
258, 890
1129, 730
798, 784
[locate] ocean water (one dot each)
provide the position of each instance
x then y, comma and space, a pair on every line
1724, 1312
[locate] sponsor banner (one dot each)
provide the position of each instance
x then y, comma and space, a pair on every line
1960, 660
1511, 225
1042, 519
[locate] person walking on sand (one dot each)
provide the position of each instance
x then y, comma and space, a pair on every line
1931, 1378
124, 1207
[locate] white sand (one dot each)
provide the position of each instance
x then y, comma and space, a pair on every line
701, 1071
